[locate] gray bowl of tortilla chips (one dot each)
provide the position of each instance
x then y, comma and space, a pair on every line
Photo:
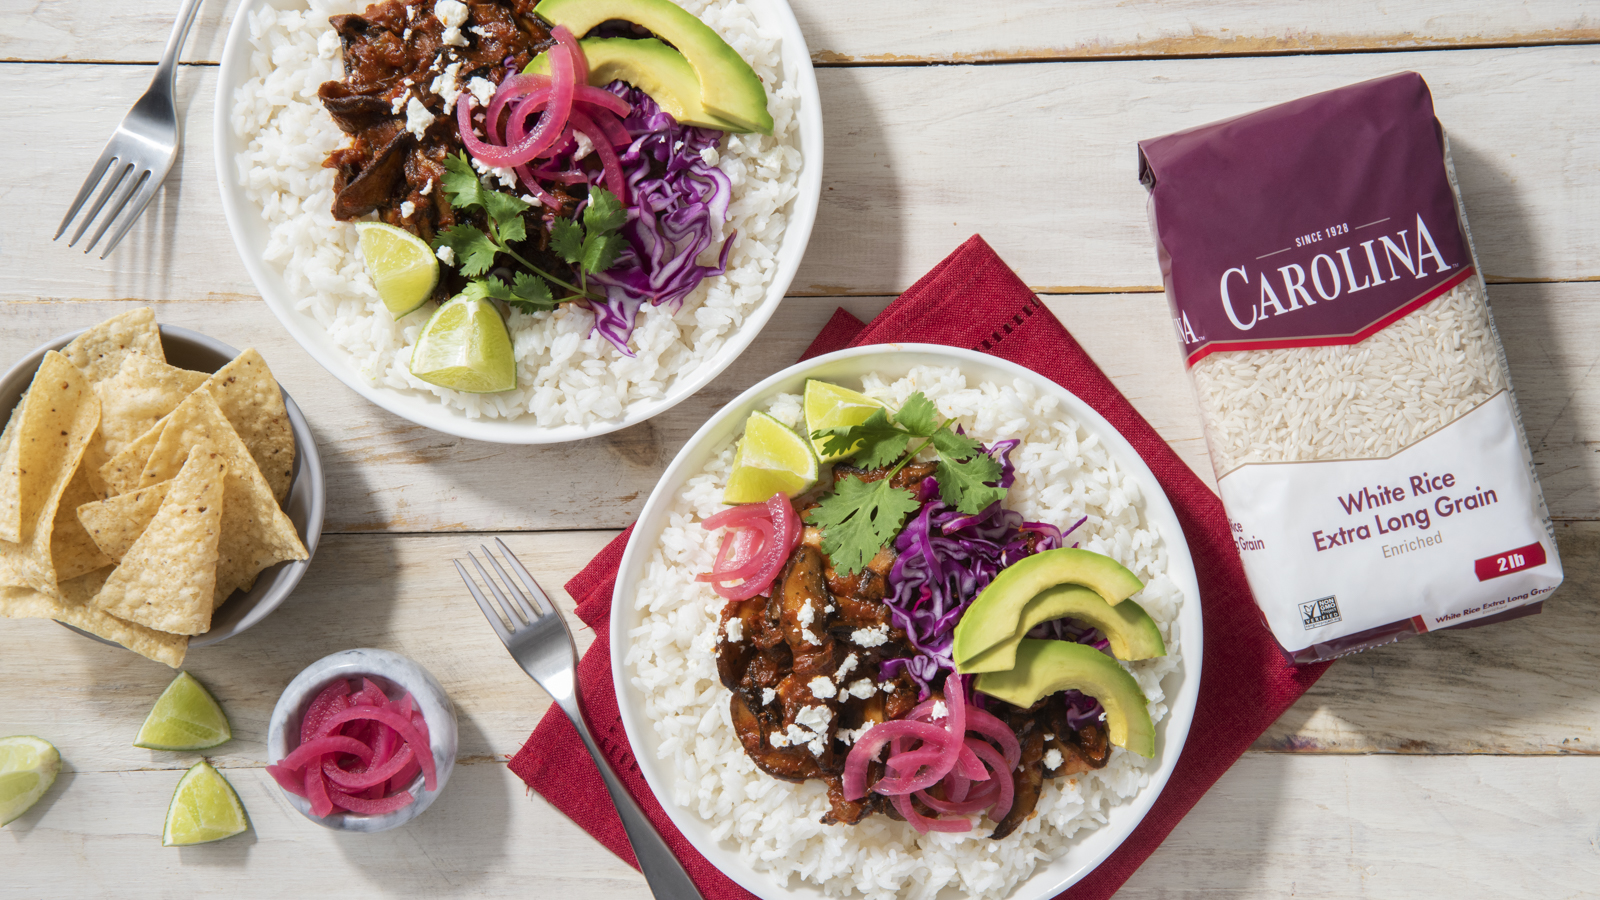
158, 489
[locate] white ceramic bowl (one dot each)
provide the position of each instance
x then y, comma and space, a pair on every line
846, 367
250, 235
192, 350
396, 675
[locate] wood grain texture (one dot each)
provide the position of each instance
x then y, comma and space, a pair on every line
1522, 688
838, 31
1276, 825
392, 593
1039, 158
386, 474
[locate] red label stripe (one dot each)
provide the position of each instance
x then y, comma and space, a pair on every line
1338, 339
1509, 562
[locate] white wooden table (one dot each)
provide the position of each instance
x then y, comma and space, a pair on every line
1458, 765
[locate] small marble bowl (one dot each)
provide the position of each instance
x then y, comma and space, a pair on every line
396, 675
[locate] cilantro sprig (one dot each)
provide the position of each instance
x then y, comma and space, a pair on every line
860, 517
590, 248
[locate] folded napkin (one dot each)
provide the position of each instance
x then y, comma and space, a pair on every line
972, 300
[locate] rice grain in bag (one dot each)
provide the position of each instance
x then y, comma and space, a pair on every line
1357, 406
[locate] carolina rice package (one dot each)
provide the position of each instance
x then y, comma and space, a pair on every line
1367, 446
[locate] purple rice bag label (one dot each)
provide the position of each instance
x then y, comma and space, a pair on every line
1312, 223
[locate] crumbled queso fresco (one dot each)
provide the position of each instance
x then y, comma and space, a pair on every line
876, 636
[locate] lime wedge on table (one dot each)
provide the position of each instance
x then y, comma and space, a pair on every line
465, 347
771, 459
204, 808
830, 406
28, 766
402, 266
185, 717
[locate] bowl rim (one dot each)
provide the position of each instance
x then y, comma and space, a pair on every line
1048, 879
436, 707
247, 230
307, 460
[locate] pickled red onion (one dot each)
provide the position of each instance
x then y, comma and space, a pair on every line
759, 540
944, 756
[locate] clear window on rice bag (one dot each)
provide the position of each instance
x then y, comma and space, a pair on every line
1356, 401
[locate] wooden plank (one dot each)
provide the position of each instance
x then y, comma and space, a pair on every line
393, 593
1383, 827
386, 474
941, 31
1523, 687
1274, 826
1040, 159
99, 834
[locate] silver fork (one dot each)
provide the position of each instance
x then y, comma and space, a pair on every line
541, 643
140, 153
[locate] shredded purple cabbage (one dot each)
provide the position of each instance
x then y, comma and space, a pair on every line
945, 559
677, 202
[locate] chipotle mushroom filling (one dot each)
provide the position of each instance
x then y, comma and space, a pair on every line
406, 66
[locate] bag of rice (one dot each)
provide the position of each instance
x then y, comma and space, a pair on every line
1356, 401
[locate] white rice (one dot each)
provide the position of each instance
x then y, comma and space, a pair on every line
1358, 401
1063, 474
565, 376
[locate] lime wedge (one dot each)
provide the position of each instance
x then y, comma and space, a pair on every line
402, 266
185, 717
204, 808
465, 347
28, 766
771, 459
830, 406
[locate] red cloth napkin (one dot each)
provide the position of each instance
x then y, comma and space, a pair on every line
973, 300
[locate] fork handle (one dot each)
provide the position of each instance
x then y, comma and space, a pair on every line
180, 31
667, 879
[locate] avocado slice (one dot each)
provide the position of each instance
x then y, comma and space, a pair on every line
1131, 631
993, 616
729, 88
1045, 667
650, 66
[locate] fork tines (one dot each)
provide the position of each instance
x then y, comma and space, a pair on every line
514, 611
132, 183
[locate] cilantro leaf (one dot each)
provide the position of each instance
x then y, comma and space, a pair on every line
490, 288
473, 249
566, 239
966, 485
600, 251
506, 211
876, 442
460, 182
955, 446
918, 415
859, 518
603, 214
530, 293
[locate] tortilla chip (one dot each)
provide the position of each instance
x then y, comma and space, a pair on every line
138, 396
100, 350
168, 577
74, 608
58, 418
11, 477
115, 523
120, 474
255, 532
72, 550
250, 398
